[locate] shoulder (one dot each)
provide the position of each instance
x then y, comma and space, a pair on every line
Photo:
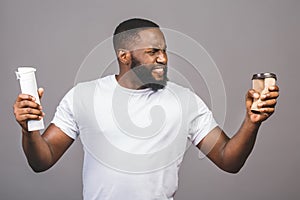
90, 85
175, 87
180, 90
191, 98
80, 90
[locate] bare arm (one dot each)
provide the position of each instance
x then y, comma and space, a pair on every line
42, 151
231, 154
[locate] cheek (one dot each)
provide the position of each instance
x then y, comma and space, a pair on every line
148, 60
145, 59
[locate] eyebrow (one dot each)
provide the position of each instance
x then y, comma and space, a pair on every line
156, 48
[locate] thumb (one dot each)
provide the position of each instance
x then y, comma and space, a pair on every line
251, 94
41, 92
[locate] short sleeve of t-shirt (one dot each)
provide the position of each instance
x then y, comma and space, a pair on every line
64, 116
200, 120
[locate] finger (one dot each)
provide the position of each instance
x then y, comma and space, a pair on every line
28, 117
273, 93
268, 110
26, 107
30, 111
269, 95
30, 104
273, 88
41, 92
22, 97
266, 114
251, 94
268, 103
25, 114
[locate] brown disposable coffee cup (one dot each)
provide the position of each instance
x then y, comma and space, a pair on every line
260, 83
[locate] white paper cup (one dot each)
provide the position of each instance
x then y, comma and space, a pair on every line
261, 82
26, 76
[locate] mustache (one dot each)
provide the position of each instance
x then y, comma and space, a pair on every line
152, 66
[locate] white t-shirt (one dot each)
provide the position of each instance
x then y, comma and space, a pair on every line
133, 140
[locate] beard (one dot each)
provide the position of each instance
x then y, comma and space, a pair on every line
144, 73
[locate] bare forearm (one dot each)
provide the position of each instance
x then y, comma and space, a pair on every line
42, 151
238, 148
37, 151
231, 154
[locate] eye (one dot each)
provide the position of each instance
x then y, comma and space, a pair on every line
152, 51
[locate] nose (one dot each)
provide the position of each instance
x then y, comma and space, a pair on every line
162, 58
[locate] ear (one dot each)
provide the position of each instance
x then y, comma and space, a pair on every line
124, 56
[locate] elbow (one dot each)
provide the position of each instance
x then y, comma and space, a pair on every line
232, 169
38, 168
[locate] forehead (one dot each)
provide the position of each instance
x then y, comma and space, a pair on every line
151, 38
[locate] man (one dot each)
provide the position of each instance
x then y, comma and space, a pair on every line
110, 107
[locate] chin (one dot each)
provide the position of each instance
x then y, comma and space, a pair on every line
159, 79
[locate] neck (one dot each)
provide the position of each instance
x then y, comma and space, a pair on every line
129, 80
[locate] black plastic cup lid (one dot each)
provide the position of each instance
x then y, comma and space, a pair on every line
264, 75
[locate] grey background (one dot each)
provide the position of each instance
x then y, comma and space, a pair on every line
243, 37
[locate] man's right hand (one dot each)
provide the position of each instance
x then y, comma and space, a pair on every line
42, 150
25, 108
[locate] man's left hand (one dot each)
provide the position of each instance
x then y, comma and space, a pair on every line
266, 106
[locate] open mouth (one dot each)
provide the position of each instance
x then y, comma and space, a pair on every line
159, 70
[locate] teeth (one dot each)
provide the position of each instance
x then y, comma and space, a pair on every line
158, 70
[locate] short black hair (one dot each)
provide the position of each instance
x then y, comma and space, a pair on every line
129, 30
